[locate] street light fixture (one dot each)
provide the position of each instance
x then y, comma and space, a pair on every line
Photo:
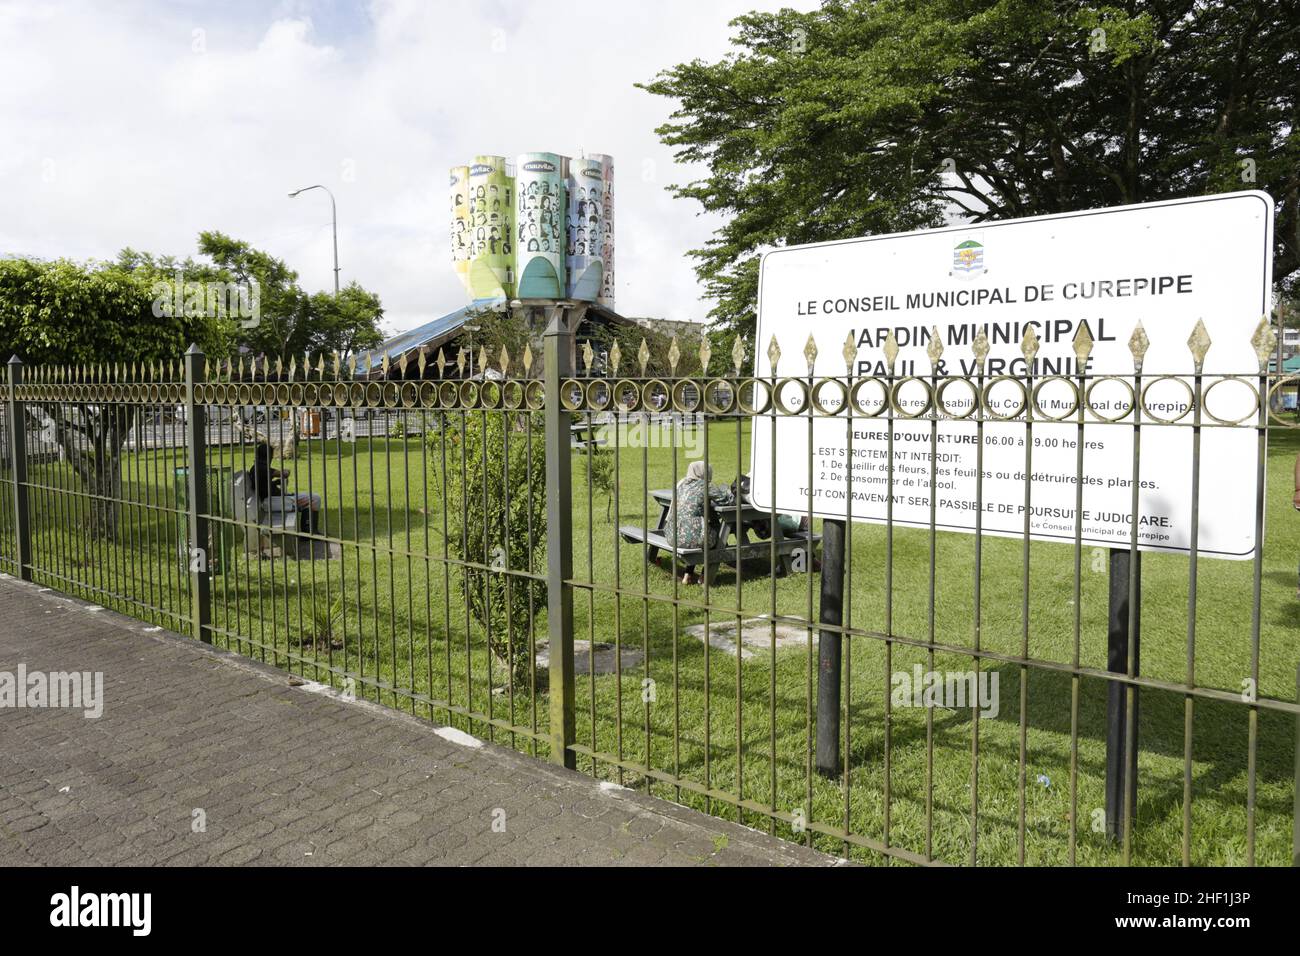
334, 213
471, 329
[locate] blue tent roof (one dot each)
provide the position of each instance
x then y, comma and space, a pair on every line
1288, 365
435, 332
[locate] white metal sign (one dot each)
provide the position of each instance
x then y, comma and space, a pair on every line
1164, 264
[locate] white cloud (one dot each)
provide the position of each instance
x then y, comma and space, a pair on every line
142, 125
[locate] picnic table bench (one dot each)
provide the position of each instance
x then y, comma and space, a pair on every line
728, 521
582, 436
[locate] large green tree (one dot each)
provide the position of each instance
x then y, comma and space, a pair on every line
288, 322
873, 116
93, 316
293, 323
143, 309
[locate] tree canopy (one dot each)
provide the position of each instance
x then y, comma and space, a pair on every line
68, 313
872, 116
290, 322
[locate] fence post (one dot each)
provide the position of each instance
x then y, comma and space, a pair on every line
1121, 776
829, 647
558, 341
196, 479
18, 449
1295, 807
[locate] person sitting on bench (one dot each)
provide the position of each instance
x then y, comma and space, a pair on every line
687, 520
267, 484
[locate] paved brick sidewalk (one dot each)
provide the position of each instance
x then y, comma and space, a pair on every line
286, 775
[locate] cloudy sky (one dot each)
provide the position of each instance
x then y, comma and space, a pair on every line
140, 124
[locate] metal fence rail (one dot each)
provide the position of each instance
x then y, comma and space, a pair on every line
493, 554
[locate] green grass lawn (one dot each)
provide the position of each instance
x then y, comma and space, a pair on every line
404, 633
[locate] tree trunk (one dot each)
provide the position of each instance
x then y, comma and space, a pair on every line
92, 442
107, 489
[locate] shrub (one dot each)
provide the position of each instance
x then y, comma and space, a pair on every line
490, 474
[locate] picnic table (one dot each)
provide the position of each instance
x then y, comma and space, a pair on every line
730, 522
583, 435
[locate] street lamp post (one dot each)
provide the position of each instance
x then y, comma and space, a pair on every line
334, 215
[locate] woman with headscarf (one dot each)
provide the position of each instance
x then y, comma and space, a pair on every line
687, 523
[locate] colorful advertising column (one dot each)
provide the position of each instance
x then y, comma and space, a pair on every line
586, 232
540, 226
491, 252
606, 297
461, 228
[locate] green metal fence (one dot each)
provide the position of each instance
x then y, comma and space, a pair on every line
496, 553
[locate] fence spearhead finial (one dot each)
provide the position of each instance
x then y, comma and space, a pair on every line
338, 363
1029, 345
980, 346
849, 352
460, 361
482, 359
1199, 343
738, 354
442, 364
643, 355
1083, 343
352, 365
320, 368
891, 351
588, 355
423, 361
810, 352
1265, 341
615, 356
935, 349
401, 366
279, 369
528, 359
674, 355
773, 354
504, 359
706, 353
293, 367
1138, 343
383, 365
